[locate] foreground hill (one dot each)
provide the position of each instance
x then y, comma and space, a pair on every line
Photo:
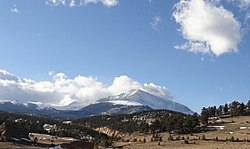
19, 126
147, 122
234, 135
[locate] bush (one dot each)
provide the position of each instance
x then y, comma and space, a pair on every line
216, 139
170, 138
186, 142
203, 137
152, 139
237, 140
232, 139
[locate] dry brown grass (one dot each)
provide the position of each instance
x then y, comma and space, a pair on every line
180, 145
231, 125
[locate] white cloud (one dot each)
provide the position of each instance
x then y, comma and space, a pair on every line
110, 3
15, 10
73, 3
207, 27
156, 21
62, 90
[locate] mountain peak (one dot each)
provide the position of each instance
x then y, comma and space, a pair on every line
138, 97
135, 92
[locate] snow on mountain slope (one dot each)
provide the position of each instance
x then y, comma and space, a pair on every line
30, 105
139, 97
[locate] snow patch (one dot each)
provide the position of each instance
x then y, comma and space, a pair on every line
123, 102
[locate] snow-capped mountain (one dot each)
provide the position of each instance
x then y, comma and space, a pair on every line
125, 103
138, 98
39, 109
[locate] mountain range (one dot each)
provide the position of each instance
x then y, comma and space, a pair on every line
125, 103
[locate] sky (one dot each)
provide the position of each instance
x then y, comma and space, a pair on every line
195, 52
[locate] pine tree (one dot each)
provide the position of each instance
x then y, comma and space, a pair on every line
219, 110
242, 109
225, 109
204, 116
234, 108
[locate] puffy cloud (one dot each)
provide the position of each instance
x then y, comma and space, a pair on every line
207, 27
62, 91
73, 3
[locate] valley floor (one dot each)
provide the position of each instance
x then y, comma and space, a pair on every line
180, 145
232, 128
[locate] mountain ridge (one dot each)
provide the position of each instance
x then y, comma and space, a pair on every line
125, 103
143, 98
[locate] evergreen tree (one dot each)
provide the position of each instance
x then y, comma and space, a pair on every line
225, 109
242, 109
234, 108
219, 110
204, 116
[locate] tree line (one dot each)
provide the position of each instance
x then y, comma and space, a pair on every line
232, 109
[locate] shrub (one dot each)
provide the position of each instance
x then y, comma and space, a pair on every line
203, 137
186, 142
152, 139
170, 138
216, 139
237, 140
159, 143
232, 139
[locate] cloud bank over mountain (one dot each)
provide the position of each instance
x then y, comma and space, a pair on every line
61, 90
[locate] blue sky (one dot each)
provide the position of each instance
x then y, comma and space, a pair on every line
140, 39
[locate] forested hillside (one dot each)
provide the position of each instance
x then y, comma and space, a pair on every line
145, 122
